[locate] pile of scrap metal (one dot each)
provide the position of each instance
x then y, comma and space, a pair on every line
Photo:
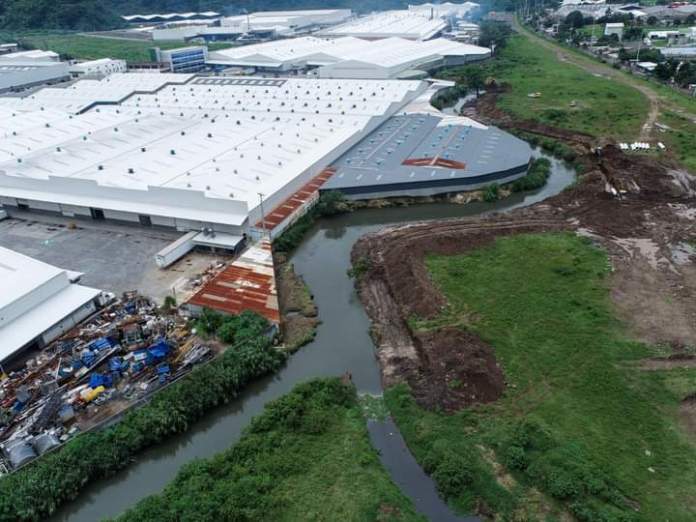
95, 372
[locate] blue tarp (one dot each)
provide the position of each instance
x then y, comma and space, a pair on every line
116, 364
100, 344
97, 379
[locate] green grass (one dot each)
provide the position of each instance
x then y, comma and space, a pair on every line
680, 138
83, 47
570, 98
578, 417
307, 457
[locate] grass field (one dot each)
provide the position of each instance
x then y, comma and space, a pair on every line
307, 457
82, 47
568, 97
580, 428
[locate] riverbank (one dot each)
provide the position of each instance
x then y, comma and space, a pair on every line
443, 351
306, 457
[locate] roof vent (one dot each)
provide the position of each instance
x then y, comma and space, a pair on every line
172, 152
142, 149
210, 135
100, 167
131, 171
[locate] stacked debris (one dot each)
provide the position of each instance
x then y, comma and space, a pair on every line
89, 376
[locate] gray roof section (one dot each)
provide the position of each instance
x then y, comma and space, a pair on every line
378, 159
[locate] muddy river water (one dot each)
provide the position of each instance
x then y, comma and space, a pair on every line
342, 344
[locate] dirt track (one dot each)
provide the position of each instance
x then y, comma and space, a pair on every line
634, 206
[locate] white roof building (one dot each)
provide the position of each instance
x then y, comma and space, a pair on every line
412, 25
444, 10
348, 57
286, 21
98, 68
182, 151
38, 302
30, 56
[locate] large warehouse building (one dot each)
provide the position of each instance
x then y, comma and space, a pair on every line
38, 302
412, 25
350, 57
183, 151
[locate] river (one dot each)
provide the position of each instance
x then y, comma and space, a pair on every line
342, 344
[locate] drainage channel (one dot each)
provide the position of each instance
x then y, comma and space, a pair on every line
342, 344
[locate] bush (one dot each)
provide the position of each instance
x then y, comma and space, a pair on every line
491, 193
538, 174
35, 492
453, 474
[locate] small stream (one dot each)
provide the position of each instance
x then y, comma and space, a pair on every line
342, 344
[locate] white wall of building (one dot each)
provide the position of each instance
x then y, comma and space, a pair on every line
98, 68
18, 75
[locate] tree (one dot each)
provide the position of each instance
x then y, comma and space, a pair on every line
493, 34
474, 79
652, 20
633, 33
575, 20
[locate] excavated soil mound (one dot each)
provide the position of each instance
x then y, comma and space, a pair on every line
633, 205
448, 368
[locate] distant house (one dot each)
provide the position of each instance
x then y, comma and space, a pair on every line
616, 28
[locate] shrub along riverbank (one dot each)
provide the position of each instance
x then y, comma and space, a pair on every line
306, 457
35, 492
580, 430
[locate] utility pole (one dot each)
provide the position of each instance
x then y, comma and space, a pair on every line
263, 215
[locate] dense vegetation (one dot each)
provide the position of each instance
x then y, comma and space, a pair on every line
82, 15
307, 457
37, 490
580, 429
538, 174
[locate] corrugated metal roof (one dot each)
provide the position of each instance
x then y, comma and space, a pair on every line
247, 284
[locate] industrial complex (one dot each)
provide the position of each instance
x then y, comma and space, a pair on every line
200, 152
219, 151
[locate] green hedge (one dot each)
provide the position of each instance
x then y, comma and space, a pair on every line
37, 490
536, 177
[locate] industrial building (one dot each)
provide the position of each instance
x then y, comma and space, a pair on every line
444, 10
24, 69
261, 25
349, 57
17, 74
38, 302
387, 24
182, 60
97, 68
422, 154
169, 17
183, 151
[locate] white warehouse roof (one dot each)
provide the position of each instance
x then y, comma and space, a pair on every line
445, 9
200, 151
34, 296
394, 54
405, 24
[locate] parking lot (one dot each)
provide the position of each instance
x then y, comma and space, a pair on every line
112, 257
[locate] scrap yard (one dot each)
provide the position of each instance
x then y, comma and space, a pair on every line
111, 362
